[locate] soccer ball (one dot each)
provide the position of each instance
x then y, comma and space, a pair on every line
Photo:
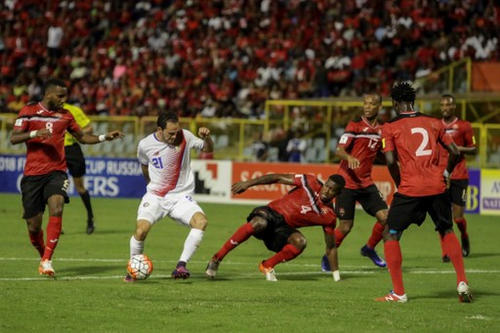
140, 267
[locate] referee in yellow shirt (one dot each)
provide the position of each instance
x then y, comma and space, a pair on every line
75, 161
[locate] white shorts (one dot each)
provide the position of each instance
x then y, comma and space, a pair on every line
179, 207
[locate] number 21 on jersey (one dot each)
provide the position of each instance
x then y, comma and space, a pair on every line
421, 151
157, 163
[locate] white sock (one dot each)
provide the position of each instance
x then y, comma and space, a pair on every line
136, 247
192, 242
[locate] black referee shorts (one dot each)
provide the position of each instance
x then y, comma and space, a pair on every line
36, 190
406, 210
458, 191
369, 198
275, 235
75, 161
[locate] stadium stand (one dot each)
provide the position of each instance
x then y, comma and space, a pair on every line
227, 57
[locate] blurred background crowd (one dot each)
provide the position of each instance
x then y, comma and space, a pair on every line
225, 58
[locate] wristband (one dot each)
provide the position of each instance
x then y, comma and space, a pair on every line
33, 134
102, 137
446, 173
336, 276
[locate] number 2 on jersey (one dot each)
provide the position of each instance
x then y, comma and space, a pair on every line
157, 163
421, 151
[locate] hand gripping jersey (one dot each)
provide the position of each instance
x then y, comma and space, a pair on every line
463, 135
45, 155
302, 206
362, 141
169, 166
415, 139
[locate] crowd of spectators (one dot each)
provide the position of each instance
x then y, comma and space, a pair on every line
225, 58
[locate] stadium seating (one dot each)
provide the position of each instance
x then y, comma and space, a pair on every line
136, 58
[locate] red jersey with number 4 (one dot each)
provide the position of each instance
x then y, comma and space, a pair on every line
463, 135
302, 206
362, 141
45, 155
415, 138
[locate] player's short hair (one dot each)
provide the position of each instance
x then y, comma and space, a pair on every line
166, 117
403, 92
53, 82
448, 96
379, 97
337, 179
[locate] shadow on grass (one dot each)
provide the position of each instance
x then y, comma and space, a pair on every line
88, 270
477, 294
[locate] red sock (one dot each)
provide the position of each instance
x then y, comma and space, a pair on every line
288, 252
462, 226
376, 236
241, 235
443, 253
394, 260
453, 250
37, 241
339, 237
53, 233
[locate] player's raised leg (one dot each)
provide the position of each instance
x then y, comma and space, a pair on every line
35, 233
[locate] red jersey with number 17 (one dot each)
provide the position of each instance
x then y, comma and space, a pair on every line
463, 136
45, 155
415, 139
302, 206
362, 141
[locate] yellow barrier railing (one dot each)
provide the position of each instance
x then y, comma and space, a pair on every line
453, 76
323, 122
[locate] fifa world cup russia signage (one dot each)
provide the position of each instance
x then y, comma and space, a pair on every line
245, 171
122, 178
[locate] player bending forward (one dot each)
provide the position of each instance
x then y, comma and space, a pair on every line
421, 186
165, 162
308, 204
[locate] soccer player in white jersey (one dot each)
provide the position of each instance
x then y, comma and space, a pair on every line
165, 162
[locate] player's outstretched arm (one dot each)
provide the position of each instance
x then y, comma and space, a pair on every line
393, 167
242, 186
204, 133
332, 255
93, 139
18, 136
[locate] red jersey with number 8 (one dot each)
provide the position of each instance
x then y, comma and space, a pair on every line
415, 138
45, 155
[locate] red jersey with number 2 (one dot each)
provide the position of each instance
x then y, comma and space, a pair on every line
302, 206
415, 138
362, 141
463, 135
45, 155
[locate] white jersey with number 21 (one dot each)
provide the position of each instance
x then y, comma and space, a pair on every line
169, 166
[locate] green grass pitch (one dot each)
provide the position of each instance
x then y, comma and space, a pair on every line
89, 294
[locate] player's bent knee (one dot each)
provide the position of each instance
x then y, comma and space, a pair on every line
258, 223
199, 221
346, 226
298, 241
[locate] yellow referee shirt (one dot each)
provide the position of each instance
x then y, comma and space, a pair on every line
81, 119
